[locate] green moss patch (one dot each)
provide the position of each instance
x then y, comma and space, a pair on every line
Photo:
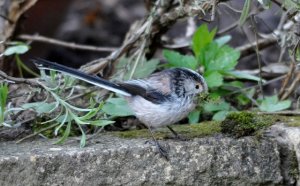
186, 131
241, 124
293, 121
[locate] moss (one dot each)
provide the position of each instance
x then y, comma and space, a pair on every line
186, 131
293, 121
294, 169
241, 124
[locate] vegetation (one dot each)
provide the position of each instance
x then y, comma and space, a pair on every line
230, 89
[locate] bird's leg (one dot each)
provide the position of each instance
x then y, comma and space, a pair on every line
161, 150
176, 135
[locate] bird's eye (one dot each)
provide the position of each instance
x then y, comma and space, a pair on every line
197, 86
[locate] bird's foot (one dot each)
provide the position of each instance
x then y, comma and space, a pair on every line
160, 148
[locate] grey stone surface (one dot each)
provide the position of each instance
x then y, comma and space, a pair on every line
109, 160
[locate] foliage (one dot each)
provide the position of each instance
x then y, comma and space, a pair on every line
65, 113
16, 49
3, 100
272, 104
218, 61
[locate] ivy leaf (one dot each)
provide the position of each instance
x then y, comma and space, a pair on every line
213, 79
272, 104
117, 107
175, 59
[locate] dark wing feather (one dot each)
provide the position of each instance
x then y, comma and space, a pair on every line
148, 93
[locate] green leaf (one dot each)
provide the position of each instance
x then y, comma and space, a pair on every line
245, 12
220, 116
101, 123
3, 100
91, 113
243, 75
175, 59
83, 137
272, 104
202, 38
194, 117
225, 58
236, 84
17, 49
223, 40
213, 107
117, 107
41, 107
83, 140
145, 68
291, 4
213, 79
65, 135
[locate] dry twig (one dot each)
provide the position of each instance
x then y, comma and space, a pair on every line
52, 41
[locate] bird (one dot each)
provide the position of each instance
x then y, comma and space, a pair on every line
159, 100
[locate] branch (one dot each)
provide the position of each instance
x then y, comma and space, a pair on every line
31, 82
44, 39
161, 21
261, 44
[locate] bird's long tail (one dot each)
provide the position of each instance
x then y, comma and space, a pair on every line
45, 64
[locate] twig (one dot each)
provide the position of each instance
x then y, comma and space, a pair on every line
36, 133
52, 41
255, 86
258, 57
286, 80
260, 43
160, 22
31, 82
291, 89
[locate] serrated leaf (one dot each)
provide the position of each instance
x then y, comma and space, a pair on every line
225, 59
213, 79
175, 59
202, 37
245, 12
117, 107
272, 104
194, 117
18, 49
